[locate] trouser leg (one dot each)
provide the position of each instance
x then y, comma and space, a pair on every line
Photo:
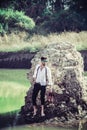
42, 94
35, 93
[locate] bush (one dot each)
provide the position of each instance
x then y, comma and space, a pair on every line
1, 28
10, 19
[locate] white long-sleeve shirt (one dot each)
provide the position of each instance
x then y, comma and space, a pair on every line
43, 75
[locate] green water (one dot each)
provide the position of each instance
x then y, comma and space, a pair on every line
13, 87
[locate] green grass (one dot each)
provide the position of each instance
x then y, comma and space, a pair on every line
14, 75
23, 41
13, 88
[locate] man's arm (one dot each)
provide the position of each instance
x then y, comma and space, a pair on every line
35, 73
49, 76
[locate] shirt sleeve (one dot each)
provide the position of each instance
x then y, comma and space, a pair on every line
49, 76
35, 71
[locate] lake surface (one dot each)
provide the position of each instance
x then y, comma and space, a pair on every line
35, 127
9, 122
42, 127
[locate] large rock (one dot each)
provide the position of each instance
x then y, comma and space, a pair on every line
70, 102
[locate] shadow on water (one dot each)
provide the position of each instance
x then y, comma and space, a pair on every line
10, 121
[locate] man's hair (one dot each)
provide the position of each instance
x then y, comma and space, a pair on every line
43, 58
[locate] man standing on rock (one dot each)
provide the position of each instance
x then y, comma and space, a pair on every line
42, 78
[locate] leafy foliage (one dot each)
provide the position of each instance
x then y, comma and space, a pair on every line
47, 12
64, 20
33, 7
10, 19
1, 28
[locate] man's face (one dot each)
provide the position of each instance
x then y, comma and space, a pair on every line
43, 63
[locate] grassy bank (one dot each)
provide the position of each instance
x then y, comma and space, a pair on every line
23, 41
13, 88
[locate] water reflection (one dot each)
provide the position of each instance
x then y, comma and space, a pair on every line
82, 126
35, 127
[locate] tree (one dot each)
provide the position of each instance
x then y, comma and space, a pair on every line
27, 5
79, 5
36, 8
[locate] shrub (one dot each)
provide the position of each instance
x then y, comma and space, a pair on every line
1, 28
10, 19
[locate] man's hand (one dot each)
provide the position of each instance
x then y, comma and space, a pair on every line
50, 88
34, 80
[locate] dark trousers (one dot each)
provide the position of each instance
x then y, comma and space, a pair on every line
37, 88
